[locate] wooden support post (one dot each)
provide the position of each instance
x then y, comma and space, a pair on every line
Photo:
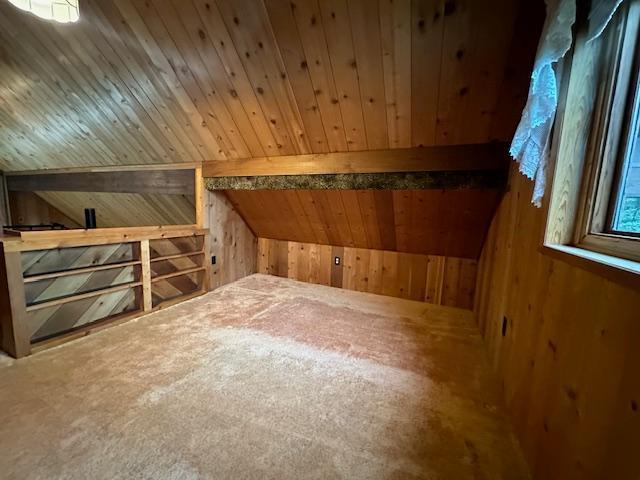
145, 258
207, 263
13, 312
199, 197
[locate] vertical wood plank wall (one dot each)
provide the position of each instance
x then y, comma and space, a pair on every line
231, 241
569, 357
428, 278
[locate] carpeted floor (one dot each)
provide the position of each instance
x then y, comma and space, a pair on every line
265, 378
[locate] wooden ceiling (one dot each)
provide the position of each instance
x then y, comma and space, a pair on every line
112, 209
124, 209
437, 222
142, 81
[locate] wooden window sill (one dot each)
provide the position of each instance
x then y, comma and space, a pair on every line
618, 270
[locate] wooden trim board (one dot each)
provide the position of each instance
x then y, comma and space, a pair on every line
488, 156
45, 240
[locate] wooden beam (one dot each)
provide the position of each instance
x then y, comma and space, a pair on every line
425, 159
108, 168
441, 180
177, 182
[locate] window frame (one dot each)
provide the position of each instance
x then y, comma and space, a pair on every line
616, 105
571, 166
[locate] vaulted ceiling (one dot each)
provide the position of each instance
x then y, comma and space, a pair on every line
163, 81
167, 81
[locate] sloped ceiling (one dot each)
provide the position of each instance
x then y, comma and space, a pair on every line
152, 81
164, 81
124, 209
112, 209
437, 222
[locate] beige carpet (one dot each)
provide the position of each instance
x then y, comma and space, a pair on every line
265, 378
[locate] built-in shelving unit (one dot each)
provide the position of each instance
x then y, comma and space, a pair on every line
61, 285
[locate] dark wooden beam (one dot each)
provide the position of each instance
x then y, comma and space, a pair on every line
150, 181
424, 159
439, 180
109, 168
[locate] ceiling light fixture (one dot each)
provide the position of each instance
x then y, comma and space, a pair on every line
63, 11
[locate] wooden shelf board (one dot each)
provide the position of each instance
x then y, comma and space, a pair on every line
81, 296
78, 271
83, 330
177, 274
48, 240
177, 255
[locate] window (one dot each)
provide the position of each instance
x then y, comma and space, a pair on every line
626, 204
608, 216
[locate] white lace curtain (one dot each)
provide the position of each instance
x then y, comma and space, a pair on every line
530, 145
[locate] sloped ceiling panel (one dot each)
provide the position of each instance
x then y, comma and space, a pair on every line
436, 222
124, 209
161, 81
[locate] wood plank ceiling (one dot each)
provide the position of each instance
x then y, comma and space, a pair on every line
142, 81
112, 209
437, 222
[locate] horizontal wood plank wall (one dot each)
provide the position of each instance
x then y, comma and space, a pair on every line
567, 354
428, 278
232, 242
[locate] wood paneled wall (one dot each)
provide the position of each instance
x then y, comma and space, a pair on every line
450, 223
567, 354
428, 278
232, 241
